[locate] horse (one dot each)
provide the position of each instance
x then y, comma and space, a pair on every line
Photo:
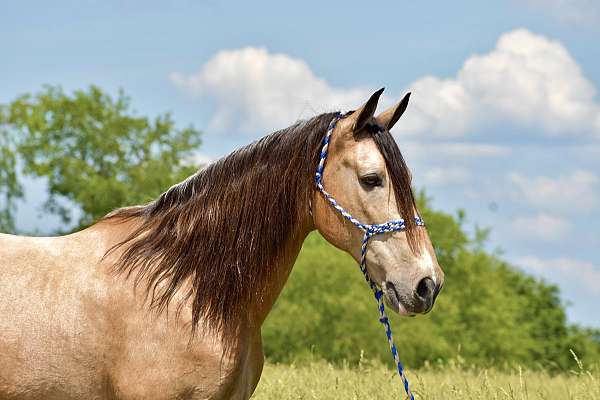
166, 300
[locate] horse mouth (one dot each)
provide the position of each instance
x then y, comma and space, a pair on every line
394, 300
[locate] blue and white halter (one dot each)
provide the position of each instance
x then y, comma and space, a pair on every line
370, 230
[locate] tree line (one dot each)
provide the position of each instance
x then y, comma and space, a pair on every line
97, 154
488, 314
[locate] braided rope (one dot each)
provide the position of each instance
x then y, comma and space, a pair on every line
370, 230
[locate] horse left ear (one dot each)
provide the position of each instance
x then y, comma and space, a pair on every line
359, 118
389, 117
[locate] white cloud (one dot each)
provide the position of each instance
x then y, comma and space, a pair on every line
198, 160
446, 176
563, 269
573, 193
254, 89
542, 226
570, 11
201, 159
440, 106
527, 79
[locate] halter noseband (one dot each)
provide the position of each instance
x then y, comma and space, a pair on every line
370, 230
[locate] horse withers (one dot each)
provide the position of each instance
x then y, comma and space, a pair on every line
167, 300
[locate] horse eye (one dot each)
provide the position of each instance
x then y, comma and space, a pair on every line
371, 180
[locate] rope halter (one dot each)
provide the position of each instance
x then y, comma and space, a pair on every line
369, 230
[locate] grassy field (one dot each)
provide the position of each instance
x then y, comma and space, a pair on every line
319, 380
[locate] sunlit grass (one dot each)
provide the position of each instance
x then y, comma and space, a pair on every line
320, 380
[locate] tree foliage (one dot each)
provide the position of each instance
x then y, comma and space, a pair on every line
489, 313
95, 152
10, 189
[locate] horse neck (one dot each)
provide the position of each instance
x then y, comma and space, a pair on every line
261, 307
251, 207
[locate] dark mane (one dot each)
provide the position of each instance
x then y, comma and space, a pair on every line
220, 231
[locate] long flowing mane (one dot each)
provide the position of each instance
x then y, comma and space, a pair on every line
220, 232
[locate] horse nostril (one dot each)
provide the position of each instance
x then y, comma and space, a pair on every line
425, 288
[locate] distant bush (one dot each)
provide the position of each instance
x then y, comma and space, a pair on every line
489, 313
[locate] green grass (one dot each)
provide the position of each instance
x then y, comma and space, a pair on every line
320, 380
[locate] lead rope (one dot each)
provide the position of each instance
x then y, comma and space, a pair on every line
370, 230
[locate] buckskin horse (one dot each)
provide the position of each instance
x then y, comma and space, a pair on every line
166, 300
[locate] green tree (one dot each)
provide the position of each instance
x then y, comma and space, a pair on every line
10, 190
94, 150
489, 313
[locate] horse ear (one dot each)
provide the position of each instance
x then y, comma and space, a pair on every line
389, 117
361, 116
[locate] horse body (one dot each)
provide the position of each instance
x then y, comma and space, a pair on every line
70, 330
167, 300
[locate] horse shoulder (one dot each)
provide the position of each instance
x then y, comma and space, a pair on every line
49, 344
161, 362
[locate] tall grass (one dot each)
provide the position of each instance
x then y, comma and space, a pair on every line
321, 380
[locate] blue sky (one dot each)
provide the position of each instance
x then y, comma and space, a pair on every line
504, 120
